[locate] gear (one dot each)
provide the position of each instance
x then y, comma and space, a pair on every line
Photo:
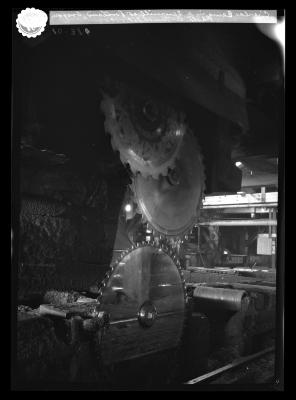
170, 204
144, 293
147, 133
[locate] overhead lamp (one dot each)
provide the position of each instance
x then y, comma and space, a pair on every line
128, 208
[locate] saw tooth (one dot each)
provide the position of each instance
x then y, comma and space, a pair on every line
133, 169
149, 226
122, 158
113, 143
137, 210
113, 106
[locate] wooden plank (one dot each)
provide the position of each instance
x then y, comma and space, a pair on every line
68, 310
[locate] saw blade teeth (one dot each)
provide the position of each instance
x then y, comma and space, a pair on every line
148, 226
133, 169
162, 172
156, 173
112, 141
122, 158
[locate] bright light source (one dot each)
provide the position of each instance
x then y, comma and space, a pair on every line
238, 164
275, 32
128, 208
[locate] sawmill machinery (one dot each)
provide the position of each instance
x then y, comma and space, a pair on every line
118, 147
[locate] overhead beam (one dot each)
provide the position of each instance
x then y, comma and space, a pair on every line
269, 199
240, 222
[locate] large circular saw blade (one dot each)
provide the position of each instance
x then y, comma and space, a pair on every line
146, 132
146, 299
170, 204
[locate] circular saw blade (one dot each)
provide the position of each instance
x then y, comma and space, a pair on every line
147, 133
145, 296
170, 204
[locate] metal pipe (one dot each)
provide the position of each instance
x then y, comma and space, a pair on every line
221, 298
240, 222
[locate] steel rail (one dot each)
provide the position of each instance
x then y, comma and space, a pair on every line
235, 364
